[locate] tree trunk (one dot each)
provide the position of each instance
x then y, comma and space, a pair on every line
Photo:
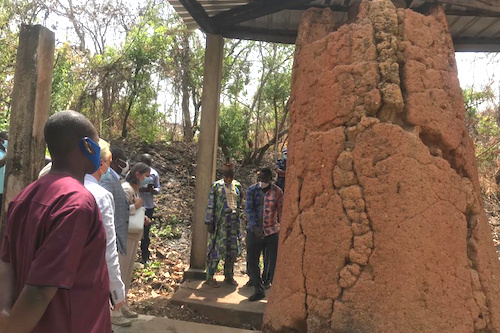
258, 155
188, 127
133, 95
106, 110
197, 107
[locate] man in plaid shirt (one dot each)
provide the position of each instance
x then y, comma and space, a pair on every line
263, 207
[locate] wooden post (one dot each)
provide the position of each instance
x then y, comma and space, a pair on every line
30, 110
207, 153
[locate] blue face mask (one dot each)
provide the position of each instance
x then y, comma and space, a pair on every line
145, 182
95, 156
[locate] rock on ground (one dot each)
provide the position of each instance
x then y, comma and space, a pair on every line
384, 228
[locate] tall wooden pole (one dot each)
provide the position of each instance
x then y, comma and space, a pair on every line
207, 153
30, 110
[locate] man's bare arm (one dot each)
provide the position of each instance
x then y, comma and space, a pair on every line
29, 308
6, 286
280, 172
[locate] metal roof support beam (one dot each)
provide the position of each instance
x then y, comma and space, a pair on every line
488, 5
264, 35
200, 15
472, 12
254, 10
470, 44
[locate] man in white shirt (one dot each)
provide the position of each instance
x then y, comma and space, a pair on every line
105, 202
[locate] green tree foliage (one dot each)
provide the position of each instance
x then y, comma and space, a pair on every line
256, 90
483, 124
138, 72
12, 15
117, 85
233, 129
473, 100
68, 77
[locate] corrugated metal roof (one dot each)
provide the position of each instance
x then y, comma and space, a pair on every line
472, 30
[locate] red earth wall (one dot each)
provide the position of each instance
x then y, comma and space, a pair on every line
383, 227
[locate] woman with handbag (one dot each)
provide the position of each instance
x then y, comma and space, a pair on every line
135, 177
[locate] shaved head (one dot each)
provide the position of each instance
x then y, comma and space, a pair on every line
228, 166
64, 130
119, 161
146, 158
118, 153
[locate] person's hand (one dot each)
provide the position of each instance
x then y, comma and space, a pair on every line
151, 188
4, 318
211, 228
147, 221
257, 230
119, 305
138, 202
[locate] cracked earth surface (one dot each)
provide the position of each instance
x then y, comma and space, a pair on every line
383, 228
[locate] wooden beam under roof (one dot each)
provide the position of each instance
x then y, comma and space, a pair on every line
200, 15
254, 10
471, 12
461, 44
487, 5
264, 35
473, 44
335, 8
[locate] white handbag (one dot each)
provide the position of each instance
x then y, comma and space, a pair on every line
136, 221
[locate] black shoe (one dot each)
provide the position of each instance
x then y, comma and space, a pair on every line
249, 284
267, 285
231, 281
256, 297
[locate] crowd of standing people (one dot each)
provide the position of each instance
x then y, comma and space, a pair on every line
69, 246
68, 253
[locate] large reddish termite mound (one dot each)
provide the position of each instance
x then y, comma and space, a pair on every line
383, 229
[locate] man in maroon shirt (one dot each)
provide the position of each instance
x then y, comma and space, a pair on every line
53, 275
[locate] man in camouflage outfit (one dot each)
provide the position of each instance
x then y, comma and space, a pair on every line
223, 222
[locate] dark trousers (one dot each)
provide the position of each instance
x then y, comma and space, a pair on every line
265, 272
255, 247
145, 241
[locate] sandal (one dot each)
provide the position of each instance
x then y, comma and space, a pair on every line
211, 283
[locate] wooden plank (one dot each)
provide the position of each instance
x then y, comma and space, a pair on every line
198, 13
264, 35
494, 22
477, 44
462, 44
254, 10
471, 12
488, 5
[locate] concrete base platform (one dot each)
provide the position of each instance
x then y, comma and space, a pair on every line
152, 324
227, 305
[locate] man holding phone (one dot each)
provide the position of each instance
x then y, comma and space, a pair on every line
147, 191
